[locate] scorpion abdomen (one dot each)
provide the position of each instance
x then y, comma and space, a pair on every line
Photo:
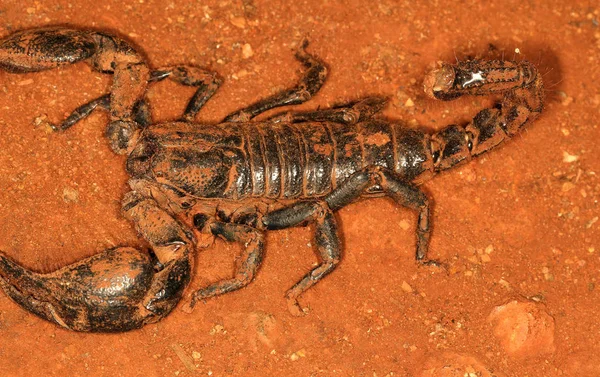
276, 161
307, 160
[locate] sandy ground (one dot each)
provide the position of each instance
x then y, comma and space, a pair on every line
518, 224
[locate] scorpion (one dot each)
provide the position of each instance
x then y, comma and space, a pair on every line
237, 179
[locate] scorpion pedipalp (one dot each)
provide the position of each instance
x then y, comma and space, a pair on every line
47, 48
119, 289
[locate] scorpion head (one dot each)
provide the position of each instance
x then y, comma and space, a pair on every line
201, 169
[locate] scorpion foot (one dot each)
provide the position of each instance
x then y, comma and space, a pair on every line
433, 263
295, 308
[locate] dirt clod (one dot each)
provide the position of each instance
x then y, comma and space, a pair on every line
450, 364
524, 329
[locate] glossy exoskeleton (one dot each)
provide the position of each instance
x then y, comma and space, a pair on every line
237, 179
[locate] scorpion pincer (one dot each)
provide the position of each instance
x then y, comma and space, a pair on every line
237, 179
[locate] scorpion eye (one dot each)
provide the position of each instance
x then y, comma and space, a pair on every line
435, 151
436, 156
469, 137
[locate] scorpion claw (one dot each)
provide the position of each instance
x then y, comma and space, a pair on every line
23, 286
107, 292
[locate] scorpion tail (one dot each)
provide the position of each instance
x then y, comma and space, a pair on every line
522, 103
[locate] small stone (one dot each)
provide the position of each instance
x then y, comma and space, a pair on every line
504, 283
406, 287
565, 98
298, 354
409, 103
568, 158
217, 329
238, 22
523, 329
404, 225
567, 186
450, 364
247, 51
70, 195
567, 101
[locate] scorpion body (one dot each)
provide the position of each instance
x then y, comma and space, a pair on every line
237, 179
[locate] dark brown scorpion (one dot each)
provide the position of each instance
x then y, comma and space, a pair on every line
239, 178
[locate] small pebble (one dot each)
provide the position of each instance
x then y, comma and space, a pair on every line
70, 195
298, 354
247, 51
524, 329
568, 158
404, 225
567, 186
239, 22
406, 287
450, 364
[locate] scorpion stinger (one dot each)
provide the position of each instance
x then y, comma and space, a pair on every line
241, 178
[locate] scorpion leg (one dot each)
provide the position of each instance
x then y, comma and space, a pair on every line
117, 290
404, 193
348, 114
207, 82
309, 85
253, 243
326, 239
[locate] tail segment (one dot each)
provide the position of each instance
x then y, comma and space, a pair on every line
522, 103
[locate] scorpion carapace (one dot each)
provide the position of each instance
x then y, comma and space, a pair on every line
237, 179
